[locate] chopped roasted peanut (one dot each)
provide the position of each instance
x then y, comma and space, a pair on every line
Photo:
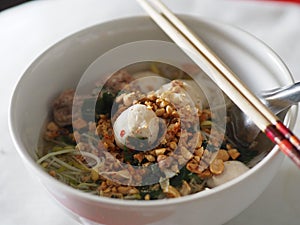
169, 110
45, 164
52, 130
185, 188
86, 178
200, 140
107, 190
205, 174
172, 192
217, 166
147, 197
160, 151
197, 158
150, 158
173, 145
52, 173
160, 112
199, 152
163, 104
152, 97
94, 175
124, 189
163, 162
139, 157
193, 167
52, 126
206, 159
228, 146
223, 155
161, 157
114, 189
234, 153
133, 191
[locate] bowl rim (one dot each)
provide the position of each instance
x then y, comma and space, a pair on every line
138, 203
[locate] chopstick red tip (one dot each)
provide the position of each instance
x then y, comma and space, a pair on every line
284, 141
287, 133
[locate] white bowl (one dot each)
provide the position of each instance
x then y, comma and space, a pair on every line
62, 66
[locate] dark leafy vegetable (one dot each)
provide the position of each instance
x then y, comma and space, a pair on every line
103, 106
184, 174
154, 191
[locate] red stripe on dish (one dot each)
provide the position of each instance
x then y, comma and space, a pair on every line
283, 1
279, 1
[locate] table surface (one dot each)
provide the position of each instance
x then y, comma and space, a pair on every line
27, 30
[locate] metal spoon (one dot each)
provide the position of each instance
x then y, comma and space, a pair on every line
242, 132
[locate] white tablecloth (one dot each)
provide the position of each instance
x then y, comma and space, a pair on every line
29, 29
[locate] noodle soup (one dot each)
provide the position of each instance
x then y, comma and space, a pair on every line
141, 135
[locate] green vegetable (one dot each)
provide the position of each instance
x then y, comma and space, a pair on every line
184, 174
103, 106
154, 191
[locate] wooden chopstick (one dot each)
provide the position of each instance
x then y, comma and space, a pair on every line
221, 74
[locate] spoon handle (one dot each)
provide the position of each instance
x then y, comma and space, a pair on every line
281, 98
